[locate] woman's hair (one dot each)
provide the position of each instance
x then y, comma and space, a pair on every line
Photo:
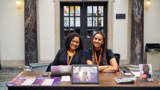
103, 47
69, 39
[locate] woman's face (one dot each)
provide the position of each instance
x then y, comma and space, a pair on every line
98, 40
74, 43
146, 69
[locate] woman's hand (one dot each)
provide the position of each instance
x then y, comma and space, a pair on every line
107, 68
89, 62
102, 68
110, 68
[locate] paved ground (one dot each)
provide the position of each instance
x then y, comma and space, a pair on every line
7, 74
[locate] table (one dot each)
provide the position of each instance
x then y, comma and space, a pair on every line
106, 82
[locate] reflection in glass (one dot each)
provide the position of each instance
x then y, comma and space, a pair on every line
71, 10
89, 35
100, 9
94, 10
71, 21
95, 21
100, 21
72, 29
66, 29
89, 21
89, 10
66, 10
66, 21
77, 22
77, 10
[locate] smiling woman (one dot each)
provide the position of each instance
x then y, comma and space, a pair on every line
71, 54
101, 56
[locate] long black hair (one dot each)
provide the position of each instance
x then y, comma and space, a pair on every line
104, 47
69, 39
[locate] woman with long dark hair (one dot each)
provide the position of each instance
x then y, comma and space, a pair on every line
101, 56
71, 54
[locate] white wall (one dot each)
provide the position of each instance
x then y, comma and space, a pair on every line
152, 22
12, 31
0, 31
120, 29
46, 29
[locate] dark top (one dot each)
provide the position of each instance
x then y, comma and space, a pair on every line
61, 58
148, 75
109, 55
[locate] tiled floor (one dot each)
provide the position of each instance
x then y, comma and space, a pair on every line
7, 74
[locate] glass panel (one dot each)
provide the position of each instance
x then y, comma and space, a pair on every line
89, 10
66, 21
89, 21
100, 9
95, 21
94, 10
66, 29
100, 22
71, 10
77, 21
72, 29
89, 35
77, 10
66, 10
71, 21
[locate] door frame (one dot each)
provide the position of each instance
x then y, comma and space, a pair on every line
83, 15
57, 21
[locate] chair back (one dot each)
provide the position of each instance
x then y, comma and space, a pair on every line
117, 56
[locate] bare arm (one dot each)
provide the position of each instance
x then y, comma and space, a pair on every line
110, 68
100, 68
107, 68
89, 62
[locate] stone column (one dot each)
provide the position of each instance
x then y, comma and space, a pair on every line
137, 31
31, 54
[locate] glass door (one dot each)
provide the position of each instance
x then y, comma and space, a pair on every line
84, 18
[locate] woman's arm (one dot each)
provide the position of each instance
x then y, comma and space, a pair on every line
89, 62
100, 68
107, 68
113, 67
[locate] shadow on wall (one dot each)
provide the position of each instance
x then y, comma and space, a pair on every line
0, 61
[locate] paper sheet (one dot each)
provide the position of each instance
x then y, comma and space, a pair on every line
47, 82
28, 81
65, 78
137, 74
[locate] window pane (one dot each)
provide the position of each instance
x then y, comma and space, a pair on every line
66, 21
89, 10
77, 10
89, 21
66, 29
71, 10
100, 22
72, 29
66, 10
71, 21
94, 10
77, 21
100, 9
95, 21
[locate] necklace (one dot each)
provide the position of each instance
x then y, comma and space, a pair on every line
99, 59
